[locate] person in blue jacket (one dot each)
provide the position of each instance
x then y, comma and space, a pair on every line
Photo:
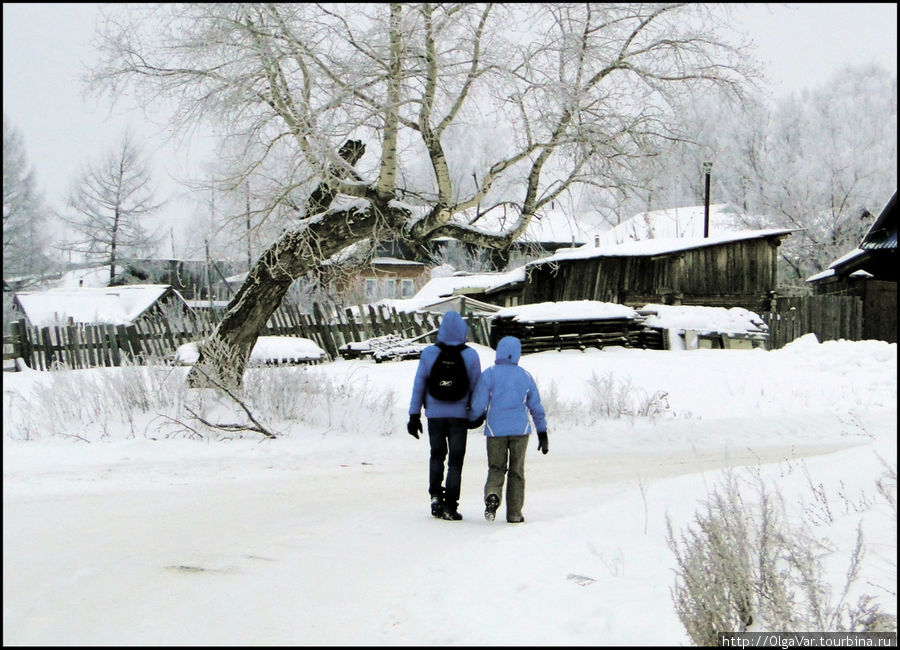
447, 421
507, 394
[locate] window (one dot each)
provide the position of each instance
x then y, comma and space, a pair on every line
371, 289
407, 288
390, 288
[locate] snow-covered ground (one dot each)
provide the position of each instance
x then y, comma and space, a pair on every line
323, 536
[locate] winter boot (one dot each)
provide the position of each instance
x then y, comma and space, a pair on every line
491, 503
437, 506
450, 513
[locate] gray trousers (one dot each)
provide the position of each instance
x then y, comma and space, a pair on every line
507, 453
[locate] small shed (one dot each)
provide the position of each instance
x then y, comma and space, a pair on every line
733, 269
90, 305
459, 303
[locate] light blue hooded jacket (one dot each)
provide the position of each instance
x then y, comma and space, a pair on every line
508, 393
453, 331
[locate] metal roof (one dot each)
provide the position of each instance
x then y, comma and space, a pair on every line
883, 233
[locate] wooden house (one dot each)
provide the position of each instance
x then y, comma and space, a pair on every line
869, 272
732, 269
382, 277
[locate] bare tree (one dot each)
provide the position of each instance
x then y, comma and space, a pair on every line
110, 201
309, 89
24, 211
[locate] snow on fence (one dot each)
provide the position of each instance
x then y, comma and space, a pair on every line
156, 339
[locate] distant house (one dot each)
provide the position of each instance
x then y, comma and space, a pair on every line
732, 269
869, 272
92, 305
390, 277
549, 230
192, 278
463, 292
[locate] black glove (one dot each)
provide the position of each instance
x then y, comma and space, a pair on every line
542, 442
474, 424
414, 426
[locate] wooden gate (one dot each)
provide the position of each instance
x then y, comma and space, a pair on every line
828, 317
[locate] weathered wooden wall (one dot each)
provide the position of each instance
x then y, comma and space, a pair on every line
733, 274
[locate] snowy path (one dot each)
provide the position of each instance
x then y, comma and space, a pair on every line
237, 559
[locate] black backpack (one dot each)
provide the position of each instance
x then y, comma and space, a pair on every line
448, 380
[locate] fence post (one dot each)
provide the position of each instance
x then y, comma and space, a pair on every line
326, 332
49, 356
351, 322
27, 349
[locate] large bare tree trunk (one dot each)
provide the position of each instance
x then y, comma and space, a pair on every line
223, 357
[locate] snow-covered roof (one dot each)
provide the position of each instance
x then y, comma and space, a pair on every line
113, 305
472, 305
549, 226
237, 278
827, 273
387, 261
831, 270
443, 287
567, 310
658, 246
703, 319
673, 223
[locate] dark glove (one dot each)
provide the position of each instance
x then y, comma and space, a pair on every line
474, 424
414, 426
542, 442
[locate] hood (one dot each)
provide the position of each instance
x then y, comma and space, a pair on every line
453, 329
509, 349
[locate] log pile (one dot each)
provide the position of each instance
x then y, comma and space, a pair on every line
541, 335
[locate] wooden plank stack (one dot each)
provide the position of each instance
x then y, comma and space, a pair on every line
541, 335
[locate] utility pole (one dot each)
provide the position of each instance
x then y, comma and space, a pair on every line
707, 169
249, 256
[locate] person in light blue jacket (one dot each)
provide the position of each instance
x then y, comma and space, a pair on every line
504, 397
447, 420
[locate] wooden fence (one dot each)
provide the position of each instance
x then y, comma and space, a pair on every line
828, 317
87, 346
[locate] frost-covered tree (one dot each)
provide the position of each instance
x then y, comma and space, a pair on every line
823, 162
110, 202
24, 211
378, 120
827, 164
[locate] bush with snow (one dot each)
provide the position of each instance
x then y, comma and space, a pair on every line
155, 402
745, 565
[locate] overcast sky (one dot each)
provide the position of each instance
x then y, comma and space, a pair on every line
46, 46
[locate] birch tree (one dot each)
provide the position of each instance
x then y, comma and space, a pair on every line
399, 120
110, 202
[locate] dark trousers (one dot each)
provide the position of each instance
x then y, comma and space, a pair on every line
447, 435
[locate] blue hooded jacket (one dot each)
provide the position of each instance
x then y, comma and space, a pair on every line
508, 393
453, 331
